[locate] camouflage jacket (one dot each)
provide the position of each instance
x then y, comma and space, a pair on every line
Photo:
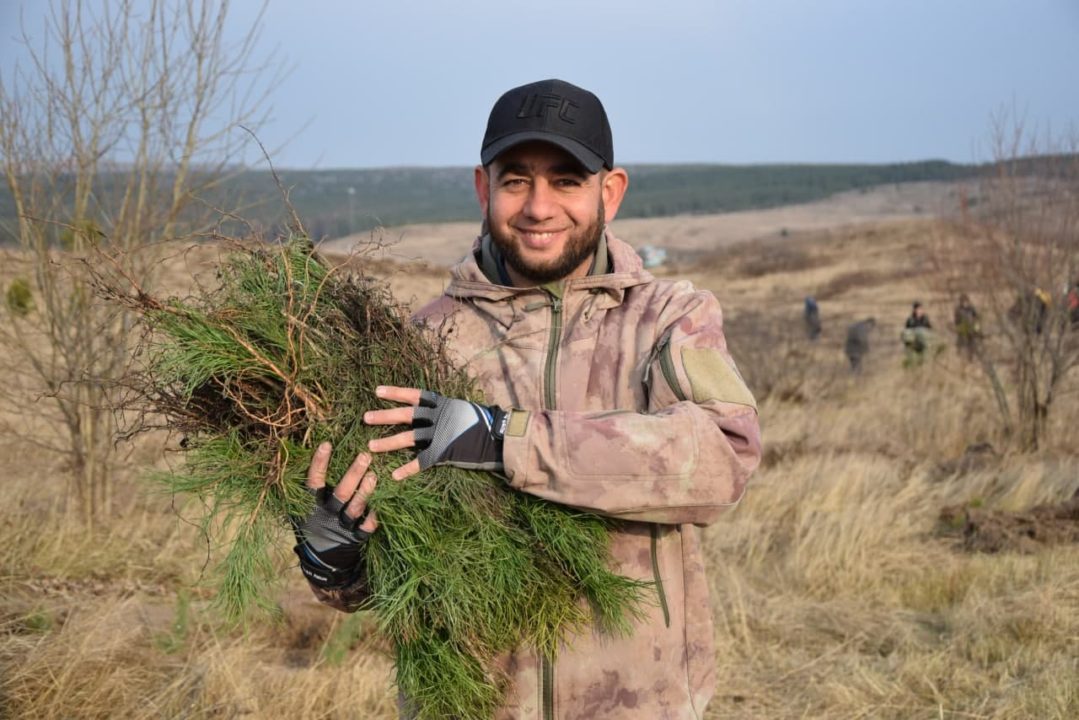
629, 405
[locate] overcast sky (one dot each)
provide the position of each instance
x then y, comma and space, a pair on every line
410, 82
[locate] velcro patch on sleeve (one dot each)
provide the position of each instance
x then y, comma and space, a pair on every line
713, 377
517, 424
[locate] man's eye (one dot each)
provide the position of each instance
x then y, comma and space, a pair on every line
568, 182
513, 182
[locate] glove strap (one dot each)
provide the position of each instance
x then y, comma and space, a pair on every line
321, 574
499, 423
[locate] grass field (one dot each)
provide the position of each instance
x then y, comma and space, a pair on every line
836, 589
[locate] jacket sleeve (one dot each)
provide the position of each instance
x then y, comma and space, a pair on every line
683, 459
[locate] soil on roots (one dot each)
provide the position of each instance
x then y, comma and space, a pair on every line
995, 531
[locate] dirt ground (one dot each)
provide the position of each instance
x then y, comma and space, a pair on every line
993, 531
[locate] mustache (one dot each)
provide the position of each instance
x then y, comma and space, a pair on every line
579, 247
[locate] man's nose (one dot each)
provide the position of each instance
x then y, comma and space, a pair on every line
540, 202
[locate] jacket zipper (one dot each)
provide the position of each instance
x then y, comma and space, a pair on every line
659, 578
547, 683
550, 401
549, 374
666, 364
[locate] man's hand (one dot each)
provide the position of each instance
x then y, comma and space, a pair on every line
331, 540
446, 431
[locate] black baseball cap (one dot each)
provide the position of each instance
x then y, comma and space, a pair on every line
553, 111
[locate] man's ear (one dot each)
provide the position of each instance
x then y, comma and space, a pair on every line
483, 188
614, 188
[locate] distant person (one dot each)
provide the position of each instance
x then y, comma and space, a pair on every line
918, 318
812, 319
857, 345
968, 330
1030, 311
917, 336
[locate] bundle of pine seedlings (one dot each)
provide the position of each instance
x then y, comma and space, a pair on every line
287, 352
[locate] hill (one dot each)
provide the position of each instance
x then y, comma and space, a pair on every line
686, 237
335, 203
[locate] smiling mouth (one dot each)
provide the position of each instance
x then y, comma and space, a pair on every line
536, 238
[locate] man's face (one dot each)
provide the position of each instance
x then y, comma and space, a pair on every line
546, 212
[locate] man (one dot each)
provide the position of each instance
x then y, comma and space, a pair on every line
1030, 311
811, 315
610, 391
857, 344
917, 336
918, 318
968, 329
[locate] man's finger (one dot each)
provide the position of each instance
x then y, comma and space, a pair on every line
410, 396
407, 470
358, 503
316, 472
370, 523
400, 441
353, 476
392, 416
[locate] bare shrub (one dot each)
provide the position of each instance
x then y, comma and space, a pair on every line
124, 116
1016, 253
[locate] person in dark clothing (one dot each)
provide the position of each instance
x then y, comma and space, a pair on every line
917, 335
918, 318
968, 330
857, 345
812, 319
1030, 311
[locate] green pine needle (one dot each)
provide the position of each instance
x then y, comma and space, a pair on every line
287, 353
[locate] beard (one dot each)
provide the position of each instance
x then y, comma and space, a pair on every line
579, 247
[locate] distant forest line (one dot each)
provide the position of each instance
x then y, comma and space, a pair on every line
334, 203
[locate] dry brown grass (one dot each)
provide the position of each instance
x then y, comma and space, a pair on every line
834, 592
